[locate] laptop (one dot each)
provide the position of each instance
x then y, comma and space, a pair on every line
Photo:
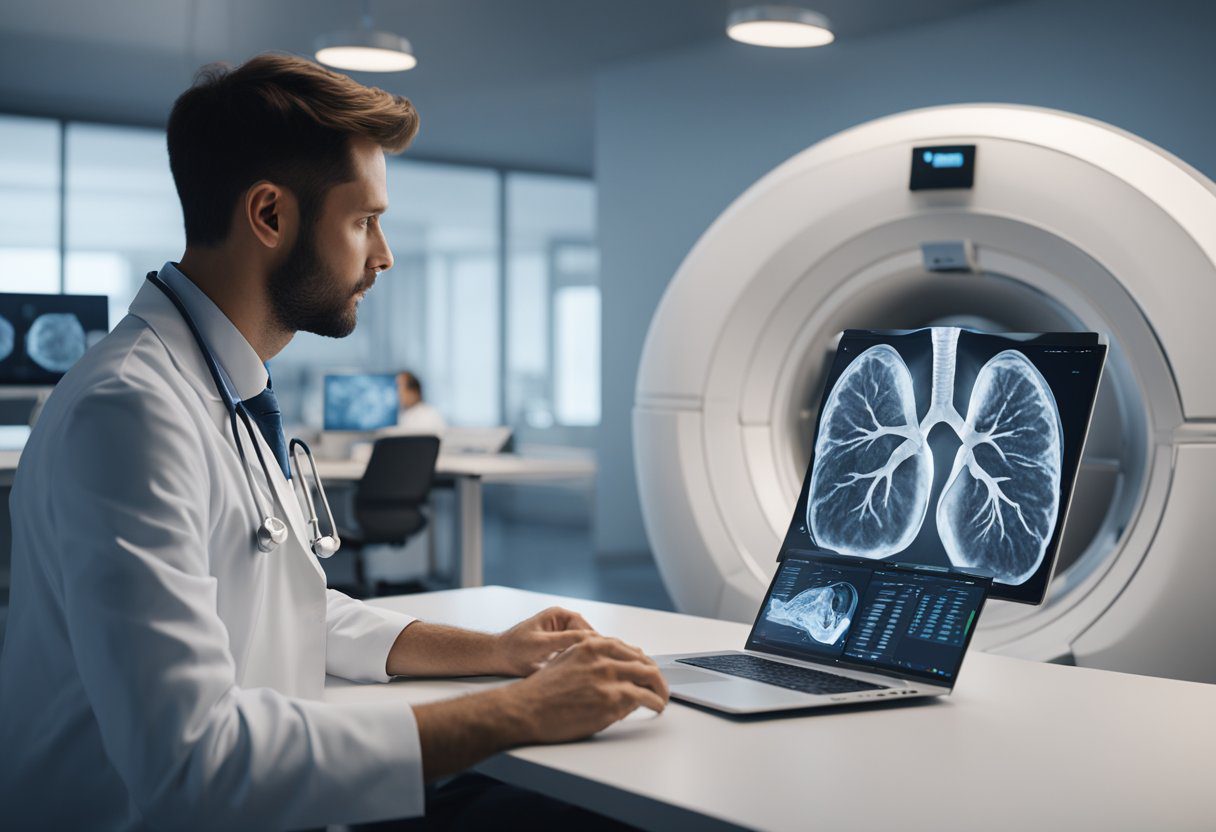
839, 631
943, 465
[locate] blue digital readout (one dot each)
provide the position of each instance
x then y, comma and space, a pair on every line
953, 159
943, 167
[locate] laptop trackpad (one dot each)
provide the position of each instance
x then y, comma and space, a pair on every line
683, 675
744, 695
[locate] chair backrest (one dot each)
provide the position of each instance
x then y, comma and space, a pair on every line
400, 471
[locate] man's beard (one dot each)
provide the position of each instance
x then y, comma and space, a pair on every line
305, 296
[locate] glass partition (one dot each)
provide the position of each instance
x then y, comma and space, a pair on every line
29, 204
123, 215
553, 309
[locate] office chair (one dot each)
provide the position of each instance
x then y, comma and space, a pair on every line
389, 498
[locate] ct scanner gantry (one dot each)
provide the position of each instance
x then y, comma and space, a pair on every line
1070, 224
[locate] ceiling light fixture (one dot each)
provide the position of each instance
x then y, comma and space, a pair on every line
784, 27
365, 49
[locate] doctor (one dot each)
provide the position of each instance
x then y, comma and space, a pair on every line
162, 669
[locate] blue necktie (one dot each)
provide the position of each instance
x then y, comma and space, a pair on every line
264, 409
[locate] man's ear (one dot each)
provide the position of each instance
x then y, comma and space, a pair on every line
267, 208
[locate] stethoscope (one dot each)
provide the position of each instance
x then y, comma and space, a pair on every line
271, 531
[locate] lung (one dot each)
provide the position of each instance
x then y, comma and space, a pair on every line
873, 467
999, 508
1068, 224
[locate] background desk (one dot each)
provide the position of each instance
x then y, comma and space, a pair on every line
467, 472
1018, 746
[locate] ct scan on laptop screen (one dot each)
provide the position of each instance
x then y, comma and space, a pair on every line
906, 620
951, 448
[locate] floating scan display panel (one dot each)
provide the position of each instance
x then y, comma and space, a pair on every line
953, 448
42, 336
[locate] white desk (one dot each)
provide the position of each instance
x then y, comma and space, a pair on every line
1018, 746
469, 471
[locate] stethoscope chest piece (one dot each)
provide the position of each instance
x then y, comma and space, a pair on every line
271, 533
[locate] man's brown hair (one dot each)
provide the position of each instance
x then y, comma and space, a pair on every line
279, 118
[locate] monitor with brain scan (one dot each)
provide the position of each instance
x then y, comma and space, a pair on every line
42, 336
949, 447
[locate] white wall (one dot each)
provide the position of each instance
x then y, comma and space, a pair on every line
678, 138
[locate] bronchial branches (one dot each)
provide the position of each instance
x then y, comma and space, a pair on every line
873, 472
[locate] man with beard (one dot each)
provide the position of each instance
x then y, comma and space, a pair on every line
167, 647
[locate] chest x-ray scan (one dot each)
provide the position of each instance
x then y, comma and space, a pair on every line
951, 447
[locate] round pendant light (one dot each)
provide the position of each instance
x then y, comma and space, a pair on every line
783, 27
365, 49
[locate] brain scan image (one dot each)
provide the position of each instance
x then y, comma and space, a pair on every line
993, 473
55, 341
8, 338
823, 613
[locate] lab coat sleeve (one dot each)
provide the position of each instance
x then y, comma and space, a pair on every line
359, 637
193, 749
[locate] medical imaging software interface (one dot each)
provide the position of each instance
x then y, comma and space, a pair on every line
42, 336
360, 402
951, 448
890, 618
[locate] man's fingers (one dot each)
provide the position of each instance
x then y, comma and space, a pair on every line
641, 697
643, 675
568, 619
615, 649
562, 639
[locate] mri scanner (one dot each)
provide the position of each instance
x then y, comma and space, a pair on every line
1070, 224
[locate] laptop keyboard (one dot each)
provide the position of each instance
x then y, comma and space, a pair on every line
782, 675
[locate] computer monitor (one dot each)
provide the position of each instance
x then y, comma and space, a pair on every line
951, 448
42, 336
360, 402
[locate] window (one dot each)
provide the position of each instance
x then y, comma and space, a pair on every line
471, 291
123, 216
435, 312
29, 205
553, 309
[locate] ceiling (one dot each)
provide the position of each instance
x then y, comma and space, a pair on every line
505, 82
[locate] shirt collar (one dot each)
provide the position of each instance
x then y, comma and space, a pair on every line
236, 357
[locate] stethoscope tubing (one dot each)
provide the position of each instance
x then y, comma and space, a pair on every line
272, 531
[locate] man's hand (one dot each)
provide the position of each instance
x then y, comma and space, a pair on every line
584, 689
524, 648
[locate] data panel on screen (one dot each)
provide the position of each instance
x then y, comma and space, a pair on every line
905, 619
42, 336
360, 402
948, 447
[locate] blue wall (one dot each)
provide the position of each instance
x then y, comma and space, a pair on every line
678, 138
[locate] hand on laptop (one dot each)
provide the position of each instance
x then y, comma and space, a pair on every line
586, 688
526, 647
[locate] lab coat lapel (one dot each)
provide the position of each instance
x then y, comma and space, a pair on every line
151, 306
285, 648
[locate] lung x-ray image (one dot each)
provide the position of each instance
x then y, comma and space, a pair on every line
951, 447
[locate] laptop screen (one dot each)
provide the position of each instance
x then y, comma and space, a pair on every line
903, 620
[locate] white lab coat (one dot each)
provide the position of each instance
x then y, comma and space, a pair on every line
420, 419
159, 670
